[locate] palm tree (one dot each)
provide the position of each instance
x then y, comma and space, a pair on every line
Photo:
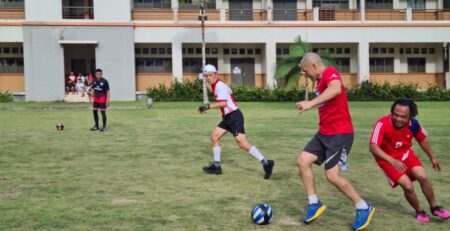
288, 69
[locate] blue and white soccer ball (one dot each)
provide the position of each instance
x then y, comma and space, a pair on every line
262, 214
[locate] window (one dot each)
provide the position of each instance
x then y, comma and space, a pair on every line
431, 51
249, 51
195, 4
11, 65
145, 50
343, 64
378, 4
11, 4
375, 51
226, 51
416, 4
258, 51
338, 50
242, 51
416, 64
233, 51
152, 4
15, 50
278, 51
383, 50
154, 65
401, 50
286, 51
391, 50
416, 50
207, 50
214, 51
423, 50
190, 51
198, 51
331, 50
381, 64
194, 65
162, 51
183, 51
79, 9
169, 51
446, 4
153, 51
347, 50
315, 50
137, 50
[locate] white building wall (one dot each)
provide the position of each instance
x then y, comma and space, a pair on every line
43, 10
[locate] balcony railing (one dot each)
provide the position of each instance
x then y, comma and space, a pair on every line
430, 15
260, 15
19, 5
78, 12
196, 6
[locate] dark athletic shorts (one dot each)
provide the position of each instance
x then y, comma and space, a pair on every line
99, 106
233, 122
331, 150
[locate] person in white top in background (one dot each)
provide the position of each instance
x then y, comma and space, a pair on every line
233, 122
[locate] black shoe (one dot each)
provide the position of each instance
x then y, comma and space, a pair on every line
103, 129
212, 169
268, 168
95, 128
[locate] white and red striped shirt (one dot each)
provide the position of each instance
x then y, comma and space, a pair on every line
222, 93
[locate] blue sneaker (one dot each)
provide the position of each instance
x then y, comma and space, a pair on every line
363, 217
314, 211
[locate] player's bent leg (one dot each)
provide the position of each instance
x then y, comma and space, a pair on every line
410, 196
242, 142
216, 135
215, 167
304, 162
334, 177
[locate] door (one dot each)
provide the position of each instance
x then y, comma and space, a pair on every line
243, 72
285, 10
241, 10
79, 66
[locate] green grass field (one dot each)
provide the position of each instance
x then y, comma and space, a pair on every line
144, 173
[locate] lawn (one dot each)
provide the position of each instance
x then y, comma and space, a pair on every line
144, 173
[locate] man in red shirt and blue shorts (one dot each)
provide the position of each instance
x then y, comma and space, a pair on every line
332, 143
390, 144
232, 121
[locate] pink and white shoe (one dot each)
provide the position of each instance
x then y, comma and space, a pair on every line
440, 212
422, 217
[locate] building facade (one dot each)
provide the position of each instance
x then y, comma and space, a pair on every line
144, 43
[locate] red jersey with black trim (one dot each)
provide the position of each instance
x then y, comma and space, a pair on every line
222, 93
396, 142
101, 88
333, 114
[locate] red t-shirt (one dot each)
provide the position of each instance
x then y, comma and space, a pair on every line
396, 142
334, 115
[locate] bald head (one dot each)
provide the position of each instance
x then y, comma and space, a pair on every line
311, 58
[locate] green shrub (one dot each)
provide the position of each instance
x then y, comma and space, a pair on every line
6, 97
366, 91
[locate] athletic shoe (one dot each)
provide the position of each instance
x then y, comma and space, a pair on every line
95, 128
103, 129
363, 217
314, 211
440, 212
268, 168
422, 217
212, 169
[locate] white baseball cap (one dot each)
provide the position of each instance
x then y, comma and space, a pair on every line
209, 68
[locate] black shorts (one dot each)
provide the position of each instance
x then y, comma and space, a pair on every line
70, 85
233, 122
331, 150
99, 106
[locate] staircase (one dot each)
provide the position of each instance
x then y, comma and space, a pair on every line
76, 97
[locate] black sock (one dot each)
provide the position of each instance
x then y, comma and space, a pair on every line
96, 117
104, 118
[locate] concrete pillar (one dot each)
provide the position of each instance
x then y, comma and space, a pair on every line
409, 14
220, 60
269, 6
175, 7
221, 7
316, 14
363, 10
177, 61
363, 61
447, 59
270, 63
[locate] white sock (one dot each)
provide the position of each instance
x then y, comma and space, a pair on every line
362, 205
216, 152
312, 199
254, 151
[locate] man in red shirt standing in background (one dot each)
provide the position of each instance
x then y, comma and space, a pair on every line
390, 144
332, 143
100, 91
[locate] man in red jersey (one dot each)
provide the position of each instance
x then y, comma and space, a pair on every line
332, 143
390, 144
100, 91
233, 122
